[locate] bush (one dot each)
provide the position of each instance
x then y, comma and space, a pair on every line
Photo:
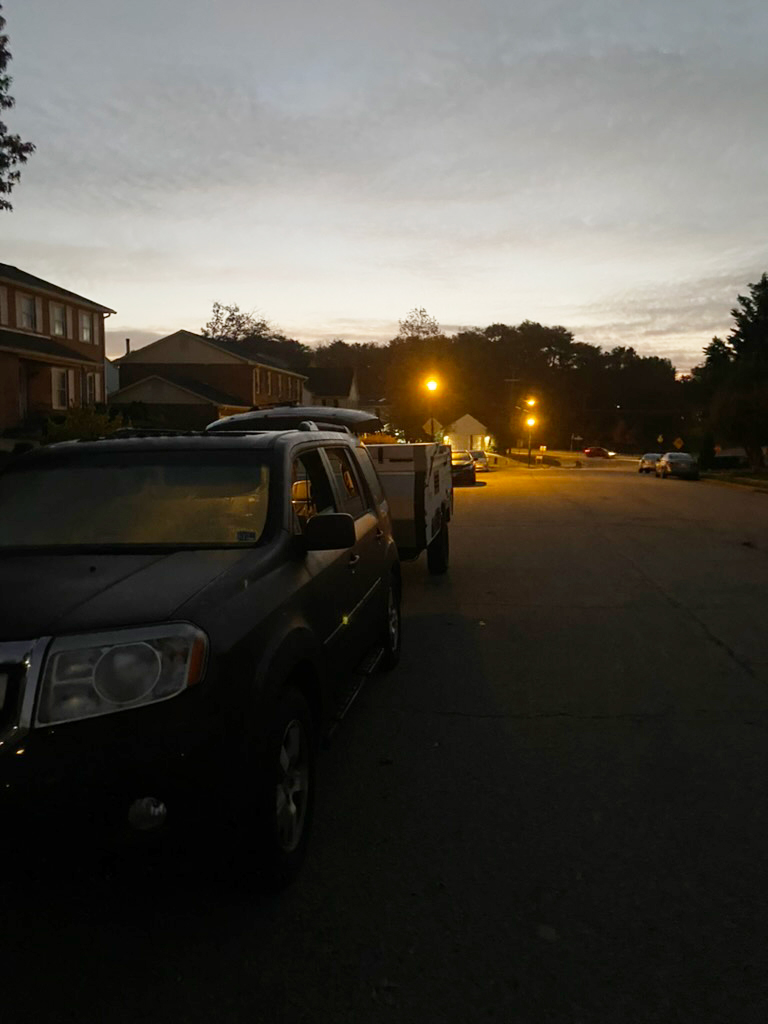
85, 424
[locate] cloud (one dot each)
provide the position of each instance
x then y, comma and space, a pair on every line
598, 165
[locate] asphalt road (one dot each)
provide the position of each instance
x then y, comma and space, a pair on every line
553, 811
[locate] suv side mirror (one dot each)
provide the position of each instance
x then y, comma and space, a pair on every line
329, 532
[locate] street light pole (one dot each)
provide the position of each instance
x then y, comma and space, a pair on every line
530, 423
431, 386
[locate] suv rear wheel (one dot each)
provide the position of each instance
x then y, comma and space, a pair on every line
392, 627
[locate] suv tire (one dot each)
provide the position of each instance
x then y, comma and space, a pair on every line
392, 628
278, 797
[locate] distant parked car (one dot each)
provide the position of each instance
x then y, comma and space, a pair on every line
462, 468
648, 462
677, 464
481, 460
595, 452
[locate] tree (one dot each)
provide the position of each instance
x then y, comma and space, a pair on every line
227, 323
418, 324
734, 375
749, 338
12, 150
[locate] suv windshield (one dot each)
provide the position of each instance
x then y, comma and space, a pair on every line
125, 498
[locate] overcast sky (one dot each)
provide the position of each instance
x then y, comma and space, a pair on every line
600, 165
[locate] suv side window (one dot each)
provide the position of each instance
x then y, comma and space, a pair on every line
352, 499
311, 492
371, 476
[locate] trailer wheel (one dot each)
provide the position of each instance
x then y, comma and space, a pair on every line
438, 551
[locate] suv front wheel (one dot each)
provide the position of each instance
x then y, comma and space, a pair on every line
276, 815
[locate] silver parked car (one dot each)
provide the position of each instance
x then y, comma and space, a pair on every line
481, 460
648, 462
677, 464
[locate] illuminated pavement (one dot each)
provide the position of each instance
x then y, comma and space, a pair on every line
553, 811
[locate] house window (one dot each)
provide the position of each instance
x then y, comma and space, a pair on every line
28, 313
85, 327
256, 383
3, 305
269, 383
59, 389
90, 388
58, 321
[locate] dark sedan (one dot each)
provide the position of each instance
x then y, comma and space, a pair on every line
596, 452
463, 469
648, 462
677, 464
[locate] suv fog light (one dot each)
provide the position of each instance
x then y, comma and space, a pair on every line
147, 813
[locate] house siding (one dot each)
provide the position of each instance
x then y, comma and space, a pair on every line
36, 367
228, 377
235, 379
9, 388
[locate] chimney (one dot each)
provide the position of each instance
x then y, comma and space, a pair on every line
127, 346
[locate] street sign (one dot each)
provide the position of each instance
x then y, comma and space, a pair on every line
433, 427
678, 443
660, 438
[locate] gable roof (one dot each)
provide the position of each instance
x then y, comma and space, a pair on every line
330, 381
194, 387
468, 423
9, 273
252, 350
246, 351
20, 342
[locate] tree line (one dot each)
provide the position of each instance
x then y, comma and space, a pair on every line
584, 394
617, 397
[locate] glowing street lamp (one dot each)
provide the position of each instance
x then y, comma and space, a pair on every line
530, 423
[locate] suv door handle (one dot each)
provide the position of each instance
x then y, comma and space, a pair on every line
353, 560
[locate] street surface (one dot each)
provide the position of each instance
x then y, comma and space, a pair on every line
553, 811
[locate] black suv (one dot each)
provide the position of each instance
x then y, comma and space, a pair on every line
181, 618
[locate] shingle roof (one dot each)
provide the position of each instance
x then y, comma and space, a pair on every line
249, 351
9, 273
330, 381
42, 347
205, 391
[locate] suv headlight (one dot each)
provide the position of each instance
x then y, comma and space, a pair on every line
100, 673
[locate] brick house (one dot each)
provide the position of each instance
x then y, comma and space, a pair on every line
188, 380
331, 385
51, 349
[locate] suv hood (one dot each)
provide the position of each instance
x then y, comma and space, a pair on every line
46, 594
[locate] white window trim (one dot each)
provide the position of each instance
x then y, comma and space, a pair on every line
57, 375
21, 298
84, 317
52, 319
